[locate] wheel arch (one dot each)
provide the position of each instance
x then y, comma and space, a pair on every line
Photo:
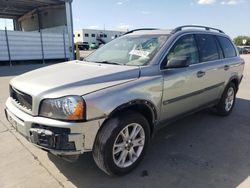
235, 80
144, 107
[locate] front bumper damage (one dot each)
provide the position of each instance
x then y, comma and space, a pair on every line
65, 139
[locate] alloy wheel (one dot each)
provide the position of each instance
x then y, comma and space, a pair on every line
128, 145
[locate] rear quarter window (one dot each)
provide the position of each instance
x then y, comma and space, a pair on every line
227, 47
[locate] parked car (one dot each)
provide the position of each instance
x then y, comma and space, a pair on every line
118, 97
93, 46
248, 49
243, 50
83, 46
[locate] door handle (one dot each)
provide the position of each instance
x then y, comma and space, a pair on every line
226, 67
200, 74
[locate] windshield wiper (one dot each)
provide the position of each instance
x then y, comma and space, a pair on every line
107, 62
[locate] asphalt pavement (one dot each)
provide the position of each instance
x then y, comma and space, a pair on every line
202, 150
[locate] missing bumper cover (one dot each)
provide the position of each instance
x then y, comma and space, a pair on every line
51, 137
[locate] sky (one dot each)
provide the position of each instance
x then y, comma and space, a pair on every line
231, 16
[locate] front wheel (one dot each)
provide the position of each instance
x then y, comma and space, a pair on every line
121, 143
227, 100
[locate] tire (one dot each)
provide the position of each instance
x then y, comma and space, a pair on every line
223, 108
111, 134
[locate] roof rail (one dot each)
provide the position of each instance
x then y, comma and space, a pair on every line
142, 29
196, 26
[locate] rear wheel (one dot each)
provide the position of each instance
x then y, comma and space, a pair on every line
227, 100
121, 143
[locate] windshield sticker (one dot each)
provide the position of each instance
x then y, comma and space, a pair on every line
140, 53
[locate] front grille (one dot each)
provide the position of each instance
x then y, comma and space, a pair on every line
23, 99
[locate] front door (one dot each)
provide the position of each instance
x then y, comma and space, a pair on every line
183, 86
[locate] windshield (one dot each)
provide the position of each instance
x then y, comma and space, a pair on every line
136, 50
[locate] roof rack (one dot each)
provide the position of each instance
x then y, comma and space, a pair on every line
142, 29
196, 26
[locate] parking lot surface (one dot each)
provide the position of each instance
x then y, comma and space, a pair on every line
202, 150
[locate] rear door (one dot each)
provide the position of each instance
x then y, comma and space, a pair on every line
231, 63
211, 67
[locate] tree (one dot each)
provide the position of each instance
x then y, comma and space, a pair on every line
239, 40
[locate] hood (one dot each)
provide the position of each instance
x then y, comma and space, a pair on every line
73, 78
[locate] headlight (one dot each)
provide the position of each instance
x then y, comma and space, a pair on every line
65, 108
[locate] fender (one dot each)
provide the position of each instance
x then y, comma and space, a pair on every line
144, 107
146, 103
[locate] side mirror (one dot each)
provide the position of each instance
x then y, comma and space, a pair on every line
178, 62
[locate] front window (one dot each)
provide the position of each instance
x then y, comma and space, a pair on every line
135, 50
185, 48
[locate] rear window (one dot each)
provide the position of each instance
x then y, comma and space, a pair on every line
227, 47
207, 48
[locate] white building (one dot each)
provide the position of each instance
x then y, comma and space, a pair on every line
97, 37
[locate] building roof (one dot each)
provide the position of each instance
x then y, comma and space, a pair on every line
17, 8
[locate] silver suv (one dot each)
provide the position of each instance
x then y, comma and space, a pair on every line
113, 102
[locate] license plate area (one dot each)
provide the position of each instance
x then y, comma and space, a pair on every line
12, 122
16, 123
